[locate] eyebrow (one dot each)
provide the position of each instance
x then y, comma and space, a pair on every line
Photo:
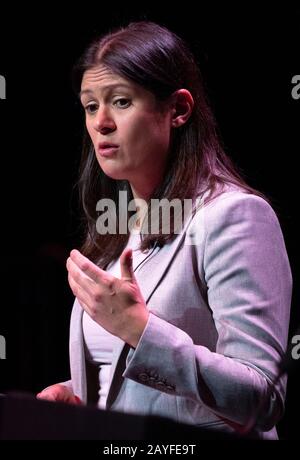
104, 88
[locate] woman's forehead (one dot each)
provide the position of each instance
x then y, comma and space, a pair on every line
101, 80
101, 76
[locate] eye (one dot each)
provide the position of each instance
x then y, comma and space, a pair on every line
91, 108
122, 103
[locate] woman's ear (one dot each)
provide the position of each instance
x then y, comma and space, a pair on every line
182, 107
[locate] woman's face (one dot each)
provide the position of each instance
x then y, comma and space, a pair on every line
131, 136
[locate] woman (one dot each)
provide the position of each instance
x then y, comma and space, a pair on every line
185, 321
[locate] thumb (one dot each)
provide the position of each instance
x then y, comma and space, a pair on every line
126, 264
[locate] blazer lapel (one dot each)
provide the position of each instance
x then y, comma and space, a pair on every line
156, 265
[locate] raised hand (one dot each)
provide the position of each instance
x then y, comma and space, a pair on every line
116, 304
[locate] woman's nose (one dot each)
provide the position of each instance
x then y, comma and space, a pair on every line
103, 122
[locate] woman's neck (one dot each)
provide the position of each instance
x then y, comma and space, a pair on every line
141, 200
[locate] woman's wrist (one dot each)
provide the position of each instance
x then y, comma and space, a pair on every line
137, 327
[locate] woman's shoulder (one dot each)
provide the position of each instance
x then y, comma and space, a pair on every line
233, 203
230, 194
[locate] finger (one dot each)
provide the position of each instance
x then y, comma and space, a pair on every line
127, 272
80, 277
46, 396
81, 295
82, 284
78, 400
86, 266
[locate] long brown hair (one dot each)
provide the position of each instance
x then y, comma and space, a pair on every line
158, 60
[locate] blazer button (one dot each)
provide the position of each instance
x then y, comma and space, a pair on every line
160, 384
170, 387
143, 377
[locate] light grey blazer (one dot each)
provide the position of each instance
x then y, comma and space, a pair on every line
219, 296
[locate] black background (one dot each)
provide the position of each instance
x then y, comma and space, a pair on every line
248, 56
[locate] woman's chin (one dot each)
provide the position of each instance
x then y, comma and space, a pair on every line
114, 174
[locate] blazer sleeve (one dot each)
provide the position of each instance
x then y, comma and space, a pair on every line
248, 279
